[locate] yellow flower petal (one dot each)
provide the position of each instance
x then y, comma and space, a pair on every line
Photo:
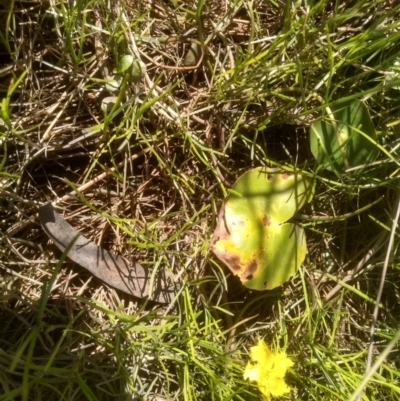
281, 364
278, 387
260, 353
264, 385
252, 372
268, 370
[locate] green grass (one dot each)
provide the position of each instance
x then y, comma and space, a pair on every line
157, 169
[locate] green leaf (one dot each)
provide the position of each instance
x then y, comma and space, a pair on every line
263, 256
250, 237
108, 103
138, 70
5, 112
125, 63
271, 192
114, 83
345, 138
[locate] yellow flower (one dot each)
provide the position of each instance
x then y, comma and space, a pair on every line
268, 370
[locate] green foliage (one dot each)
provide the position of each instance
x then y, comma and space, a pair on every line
113, 83
5, 109
125, 63
134, 67
272, 192
228, 86
250, 237
344, 138
129, 69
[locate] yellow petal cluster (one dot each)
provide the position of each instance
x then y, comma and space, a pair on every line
268, 370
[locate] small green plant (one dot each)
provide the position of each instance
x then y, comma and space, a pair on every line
344, 138
5, 108
251, 236
129, 67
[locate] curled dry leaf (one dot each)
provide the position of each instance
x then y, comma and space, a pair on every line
114, 270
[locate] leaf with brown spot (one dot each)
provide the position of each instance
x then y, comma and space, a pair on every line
250, 237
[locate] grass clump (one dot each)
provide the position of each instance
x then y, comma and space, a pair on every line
146, 178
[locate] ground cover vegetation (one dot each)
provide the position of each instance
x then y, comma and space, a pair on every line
227, 86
